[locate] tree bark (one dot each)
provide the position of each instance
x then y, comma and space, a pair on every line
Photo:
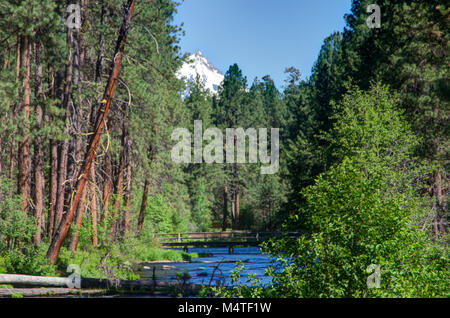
53, 186
143, 207
39, 161
119, 193
108, 185
24, 184
12, 149
128, 145
61, 233
126, 220
93, 201
78, 220
145, 195
225, 208
63, 187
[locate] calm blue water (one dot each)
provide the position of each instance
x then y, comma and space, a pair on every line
213, 270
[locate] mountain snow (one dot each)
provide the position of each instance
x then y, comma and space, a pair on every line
198, 64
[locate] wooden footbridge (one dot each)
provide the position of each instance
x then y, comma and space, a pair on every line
218, 239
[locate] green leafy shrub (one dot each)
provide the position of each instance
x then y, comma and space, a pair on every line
355, 224
363, 211
18, 254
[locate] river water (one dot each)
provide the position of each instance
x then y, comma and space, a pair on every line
214, 269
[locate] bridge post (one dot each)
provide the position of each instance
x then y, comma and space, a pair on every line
179, 237
230, 249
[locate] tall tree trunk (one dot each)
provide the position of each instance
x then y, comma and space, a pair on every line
225, 208
119, 193
61, 233
101, 51
78, 220
39, 182
76, 112
126, 220
12, 149
233, 207
108, 185
24, 184
143, 207
237, 208
12, 158
145, 194
93, 201
63, 185
53, 186
128, 145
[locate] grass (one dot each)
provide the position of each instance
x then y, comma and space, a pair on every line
159, 254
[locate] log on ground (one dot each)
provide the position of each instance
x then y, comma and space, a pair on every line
95, 283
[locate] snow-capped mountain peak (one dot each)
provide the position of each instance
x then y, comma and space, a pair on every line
198, 64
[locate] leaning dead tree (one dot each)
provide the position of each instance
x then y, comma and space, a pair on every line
84, 173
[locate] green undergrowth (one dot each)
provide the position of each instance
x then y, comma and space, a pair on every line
117, 260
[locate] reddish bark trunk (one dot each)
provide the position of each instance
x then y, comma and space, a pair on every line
93, 201
53, 187
39, 181
24, 184
78, 220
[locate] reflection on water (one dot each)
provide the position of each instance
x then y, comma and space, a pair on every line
214, 269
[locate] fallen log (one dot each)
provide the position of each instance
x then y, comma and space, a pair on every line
50, 292
33, 281
95, 283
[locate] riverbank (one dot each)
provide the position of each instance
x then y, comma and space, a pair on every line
118, 261
175, 274
18, 286
113, 272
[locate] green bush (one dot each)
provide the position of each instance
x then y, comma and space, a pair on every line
355, 224
18, 254
363, 211
99, 263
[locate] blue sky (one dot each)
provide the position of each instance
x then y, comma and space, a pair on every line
262, 36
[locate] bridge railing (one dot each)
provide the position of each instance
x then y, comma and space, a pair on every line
220, 236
